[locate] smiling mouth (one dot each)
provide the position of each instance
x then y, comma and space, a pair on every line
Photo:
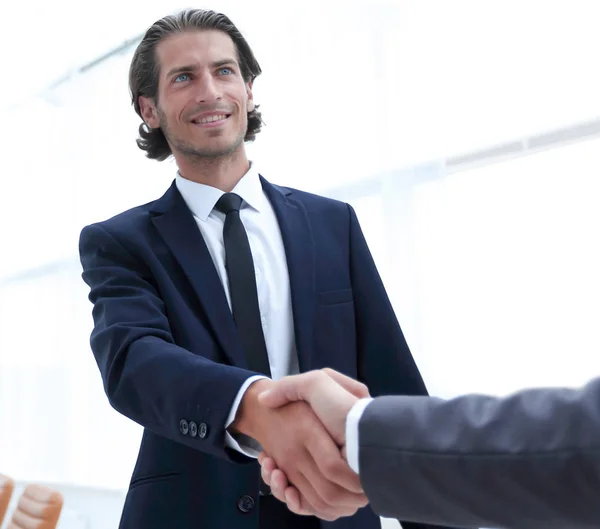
210, 119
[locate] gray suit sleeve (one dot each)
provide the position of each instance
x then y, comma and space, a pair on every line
527, 461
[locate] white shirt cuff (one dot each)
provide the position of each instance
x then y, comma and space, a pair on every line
352, 421
244, 444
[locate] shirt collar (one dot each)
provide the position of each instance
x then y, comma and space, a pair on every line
201, 198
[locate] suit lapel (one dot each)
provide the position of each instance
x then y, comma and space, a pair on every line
299, 249
177, 227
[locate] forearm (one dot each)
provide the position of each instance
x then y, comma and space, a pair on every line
530, 460
247, 421
233, 438
163, 387
178, 394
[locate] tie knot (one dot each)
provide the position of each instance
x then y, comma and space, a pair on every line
229, 202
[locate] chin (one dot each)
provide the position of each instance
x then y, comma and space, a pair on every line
215, 151
226, 147
210, 147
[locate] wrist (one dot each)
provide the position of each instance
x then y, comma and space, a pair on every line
246, 420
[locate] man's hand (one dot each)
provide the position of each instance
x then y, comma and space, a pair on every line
331, 396
304, 451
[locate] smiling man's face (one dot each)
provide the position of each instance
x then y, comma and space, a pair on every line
203, 102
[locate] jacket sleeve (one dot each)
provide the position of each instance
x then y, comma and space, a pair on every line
529, 460
146, 376
385, 363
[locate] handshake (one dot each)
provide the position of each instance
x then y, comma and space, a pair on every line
300, 423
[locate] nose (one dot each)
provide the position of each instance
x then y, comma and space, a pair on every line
208, 90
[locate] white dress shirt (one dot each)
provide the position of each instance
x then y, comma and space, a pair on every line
270, 265
352, 442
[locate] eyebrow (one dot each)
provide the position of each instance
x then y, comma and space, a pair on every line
193, 67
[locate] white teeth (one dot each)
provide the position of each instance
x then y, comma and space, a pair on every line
210, 119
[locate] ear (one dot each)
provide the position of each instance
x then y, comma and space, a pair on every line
250, 106
148, 111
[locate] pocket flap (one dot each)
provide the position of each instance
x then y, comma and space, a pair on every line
333, 297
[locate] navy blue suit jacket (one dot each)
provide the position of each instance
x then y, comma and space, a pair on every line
166, 345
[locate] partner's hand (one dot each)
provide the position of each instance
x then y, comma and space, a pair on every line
330, 394
302, 448
330, 401
283, 491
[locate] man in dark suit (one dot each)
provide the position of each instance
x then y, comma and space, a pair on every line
525, 461
205, 296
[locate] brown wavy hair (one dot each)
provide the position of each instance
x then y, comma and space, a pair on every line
144, 70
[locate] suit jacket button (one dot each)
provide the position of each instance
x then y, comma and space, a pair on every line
193, 429
246, 503
184, 427
202, 430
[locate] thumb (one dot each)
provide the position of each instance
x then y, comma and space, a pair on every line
357, 389
288, 389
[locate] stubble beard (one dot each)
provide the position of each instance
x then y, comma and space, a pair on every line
193, 153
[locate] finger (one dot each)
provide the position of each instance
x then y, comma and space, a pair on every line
338, 497
280, 487
328, 460
334, 502
289, 494
358, 389
278, 484
267, 469
294, 501
307, 499
261, 457
325, 504
297, 503
314, 502
266, 476
268, 463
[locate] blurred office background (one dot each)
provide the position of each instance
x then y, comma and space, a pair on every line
466, 133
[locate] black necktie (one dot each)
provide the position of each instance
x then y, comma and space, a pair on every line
242, 285
242, 290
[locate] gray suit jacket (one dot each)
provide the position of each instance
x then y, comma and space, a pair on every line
528, 461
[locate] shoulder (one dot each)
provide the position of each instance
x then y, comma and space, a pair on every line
129, 221
128, 226
315, 203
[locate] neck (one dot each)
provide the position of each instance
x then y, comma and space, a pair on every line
221, 172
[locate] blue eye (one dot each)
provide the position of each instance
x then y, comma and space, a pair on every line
226, 71
182, 77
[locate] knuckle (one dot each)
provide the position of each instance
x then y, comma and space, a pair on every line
331, 516
298, 511
332, 495
319, 505
318, 376
290, 453
332, 468
306, 510
278, 493
303, 508
350, 512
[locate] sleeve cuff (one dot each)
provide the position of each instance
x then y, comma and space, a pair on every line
352, 443
242, 443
